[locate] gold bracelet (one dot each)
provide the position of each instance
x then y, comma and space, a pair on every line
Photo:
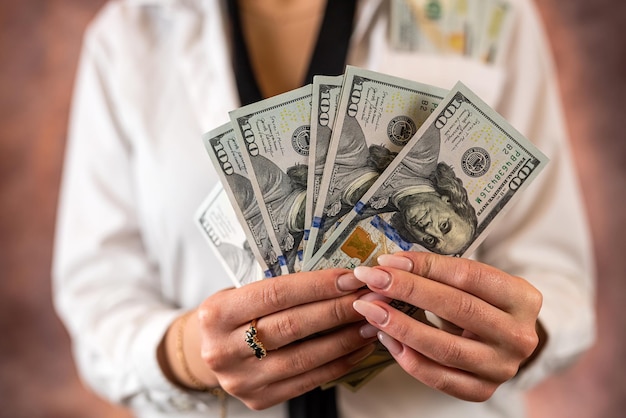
197, 384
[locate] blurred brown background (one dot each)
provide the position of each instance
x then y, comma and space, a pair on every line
39, 45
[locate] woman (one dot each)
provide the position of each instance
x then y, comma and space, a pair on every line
129, 263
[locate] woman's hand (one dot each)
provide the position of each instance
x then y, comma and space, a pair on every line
490, 329
289, 311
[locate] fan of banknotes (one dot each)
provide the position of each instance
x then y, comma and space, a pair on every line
336, 173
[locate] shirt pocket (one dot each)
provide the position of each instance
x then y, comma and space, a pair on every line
486, 80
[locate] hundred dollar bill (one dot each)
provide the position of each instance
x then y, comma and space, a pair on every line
475, 28
442, 192
227, 157
377, 115
219, 224
460, 26
325, 101
403, 32
433, 26
444, 189
495, 30
275, 136
358, 377
416, 25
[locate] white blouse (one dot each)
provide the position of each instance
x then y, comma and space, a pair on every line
156, 74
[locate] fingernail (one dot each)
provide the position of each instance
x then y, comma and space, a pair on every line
368, 331
396, 261
373, 277
361, 354
347, 282
393, 345
372, 296
370, 311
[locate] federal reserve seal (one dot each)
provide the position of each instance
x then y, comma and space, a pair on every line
400, 130
475, 162
300, 139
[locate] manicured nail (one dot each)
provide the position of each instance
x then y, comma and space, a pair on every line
368, 331
372, 277
371, 311
347, 282
361, 354
393, 345
396, 261
372, 296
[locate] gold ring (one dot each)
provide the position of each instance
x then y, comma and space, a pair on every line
253, 341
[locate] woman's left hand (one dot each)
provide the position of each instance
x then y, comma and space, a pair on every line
491, 320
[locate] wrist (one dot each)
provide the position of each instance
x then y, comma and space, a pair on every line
179, 355
180, 360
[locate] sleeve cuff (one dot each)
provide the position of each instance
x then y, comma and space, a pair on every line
144, 351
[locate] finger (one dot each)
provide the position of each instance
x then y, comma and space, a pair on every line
483, 281
450, 380
289, 388
302, 357
282, 328
235, 307
449, 350
278, 330
458, 307
298, 358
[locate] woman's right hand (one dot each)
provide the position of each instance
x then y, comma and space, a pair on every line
290, 311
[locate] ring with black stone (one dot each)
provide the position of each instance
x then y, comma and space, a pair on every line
253, 341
